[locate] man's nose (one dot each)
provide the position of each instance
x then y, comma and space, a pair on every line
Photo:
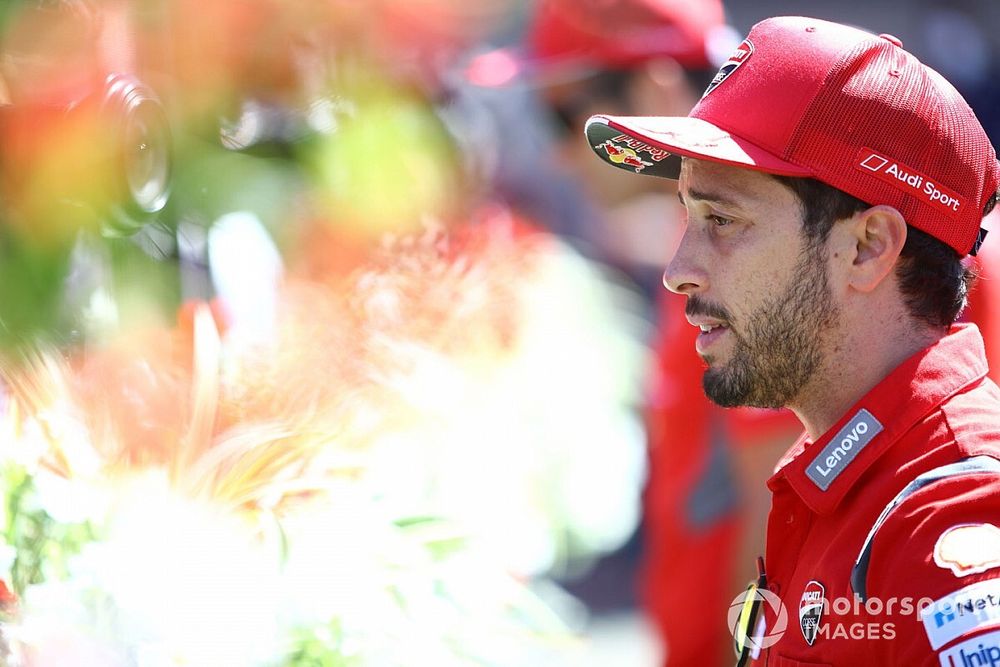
685, 274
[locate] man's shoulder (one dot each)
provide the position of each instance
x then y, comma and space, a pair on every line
983, 395
940, 545
973, 419
914, 541
962, 426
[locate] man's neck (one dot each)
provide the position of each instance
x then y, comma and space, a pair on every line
861, 358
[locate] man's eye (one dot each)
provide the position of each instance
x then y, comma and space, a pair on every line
720, 221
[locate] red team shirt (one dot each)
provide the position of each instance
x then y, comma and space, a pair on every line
686, 582
939, 543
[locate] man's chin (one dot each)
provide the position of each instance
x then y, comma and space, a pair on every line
728, 392
720, 388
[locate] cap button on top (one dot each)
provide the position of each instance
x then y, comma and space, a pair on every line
892, 39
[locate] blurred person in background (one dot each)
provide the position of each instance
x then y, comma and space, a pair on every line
508, 186
704, 503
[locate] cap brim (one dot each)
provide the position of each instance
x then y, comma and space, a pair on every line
654, 145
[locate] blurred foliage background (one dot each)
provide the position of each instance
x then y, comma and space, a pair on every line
286, 380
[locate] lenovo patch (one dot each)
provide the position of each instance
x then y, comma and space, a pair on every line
842, 448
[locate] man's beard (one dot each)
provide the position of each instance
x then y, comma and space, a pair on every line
778, 348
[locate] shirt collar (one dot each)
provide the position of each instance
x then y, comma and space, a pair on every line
881, 417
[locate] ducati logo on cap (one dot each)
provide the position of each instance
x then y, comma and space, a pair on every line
738, 57
811, 610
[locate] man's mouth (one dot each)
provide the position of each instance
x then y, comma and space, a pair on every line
709, 336
711, 320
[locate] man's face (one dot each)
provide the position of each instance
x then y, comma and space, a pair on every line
756, 286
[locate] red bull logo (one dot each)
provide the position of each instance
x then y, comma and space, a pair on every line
655, 154
624, 156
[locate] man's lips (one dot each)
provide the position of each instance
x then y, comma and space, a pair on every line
711, 332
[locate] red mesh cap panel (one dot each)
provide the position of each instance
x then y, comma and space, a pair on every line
888, 130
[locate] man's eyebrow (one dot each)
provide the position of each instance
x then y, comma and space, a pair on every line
710, 197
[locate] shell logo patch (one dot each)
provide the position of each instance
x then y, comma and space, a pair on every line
968, 548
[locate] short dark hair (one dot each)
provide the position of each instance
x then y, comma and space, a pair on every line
932, 277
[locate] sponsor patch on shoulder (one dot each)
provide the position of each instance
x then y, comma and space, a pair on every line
980, 650
967, 610
968, 548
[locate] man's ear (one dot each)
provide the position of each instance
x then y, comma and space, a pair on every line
877, 236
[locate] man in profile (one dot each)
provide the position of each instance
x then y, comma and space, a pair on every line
834, 186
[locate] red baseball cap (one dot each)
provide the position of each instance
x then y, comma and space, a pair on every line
616, 35
568, 40
811, 98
